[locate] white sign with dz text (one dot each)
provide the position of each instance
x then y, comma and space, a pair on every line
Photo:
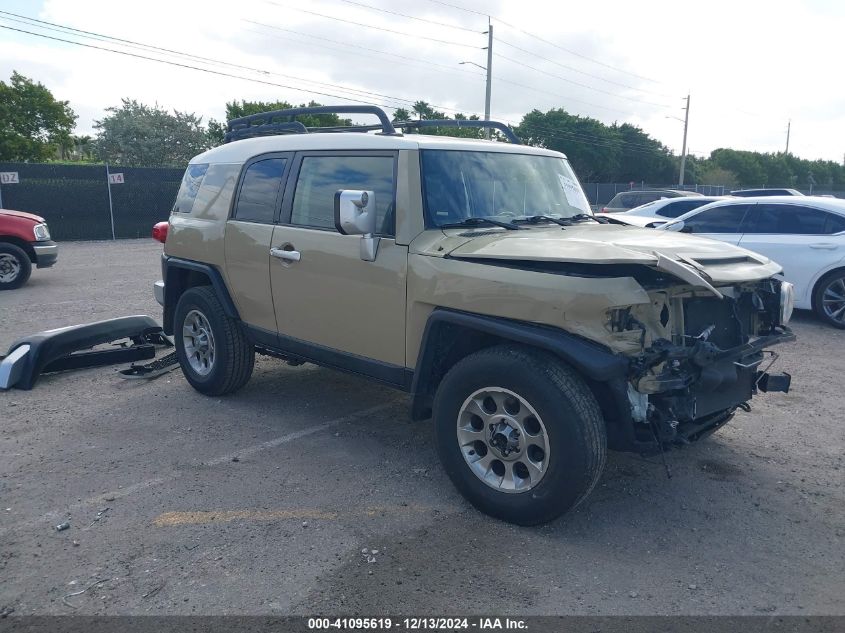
9, 178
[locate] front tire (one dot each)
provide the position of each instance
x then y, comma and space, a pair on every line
829, 298
214, 351
15, 267
519, 434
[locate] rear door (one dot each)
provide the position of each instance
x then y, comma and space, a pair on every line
329, 302
249, 232
724, 223
800, 238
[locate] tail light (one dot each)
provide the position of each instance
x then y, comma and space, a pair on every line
603, 210
160, 231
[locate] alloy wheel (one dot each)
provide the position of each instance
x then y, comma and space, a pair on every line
198, 342
503, 440
833, 300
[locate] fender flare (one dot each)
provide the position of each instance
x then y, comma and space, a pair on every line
594, 361
173, 290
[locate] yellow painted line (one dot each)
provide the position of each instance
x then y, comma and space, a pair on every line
203, 517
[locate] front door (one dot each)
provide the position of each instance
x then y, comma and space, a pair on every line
330, 304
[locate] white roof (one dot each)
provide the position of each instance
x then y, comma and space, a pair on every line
241, 151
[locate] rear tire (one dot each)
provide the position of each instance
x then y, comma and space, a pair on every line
213, 349
15, 267
526, 388
829, 298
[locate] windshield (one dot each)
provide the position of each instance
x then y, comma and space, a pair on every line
459, 185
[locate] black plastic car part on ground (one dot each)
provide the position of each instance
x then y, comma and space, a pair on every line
59, 349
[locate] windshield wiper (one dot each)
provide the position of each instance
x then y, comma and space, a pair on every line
536, 219
584, 216
479, 221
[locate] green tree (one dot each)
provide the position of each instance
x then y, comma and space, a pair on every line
715, 175
83, 147
33, 124
237, 109
591, 146
642, 157
401, 114
747, 166
139, 135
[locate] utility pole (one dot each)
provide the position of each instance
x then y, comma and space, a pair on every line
788, 128
489, 73
684, 148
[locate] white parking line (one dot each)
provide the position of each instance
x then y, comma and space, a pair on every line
126, 491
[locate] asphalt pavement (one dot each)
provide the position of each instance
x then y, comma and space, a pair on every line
311, 492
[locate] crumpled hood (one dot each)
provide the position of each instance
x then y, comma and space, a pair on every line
590, 243
22, 214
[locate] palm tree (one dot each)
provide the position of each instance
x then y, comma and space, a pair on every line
422, 109
82, 146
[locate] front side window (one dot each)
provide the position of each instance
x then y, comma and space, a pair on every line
320, 177
191, 182
790, 219
259, 191
725, 219
459, 185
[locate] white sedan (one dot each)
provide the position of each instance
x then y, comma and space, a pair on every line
653, 214
805, 235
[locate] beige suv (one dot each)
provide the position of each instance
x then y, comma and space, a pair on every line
471, 274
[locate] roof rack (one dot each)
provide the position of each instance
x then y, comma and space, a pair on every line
262, 124
472, 123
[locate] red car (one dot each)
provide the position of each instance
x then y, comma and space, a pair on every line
24, 241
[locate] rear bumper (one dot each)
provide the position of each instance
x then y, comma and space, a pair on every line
46, 253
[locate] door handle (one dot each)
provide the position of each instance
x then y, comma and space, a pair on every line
290, 256
825, 246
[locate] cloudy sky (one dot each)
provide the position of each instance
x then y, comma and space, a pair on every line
749, 66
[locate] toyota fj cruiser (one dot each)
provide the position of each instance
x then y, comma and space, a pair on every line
471, 274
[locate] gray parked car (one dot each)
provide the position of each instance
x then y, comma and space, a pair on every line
630, 199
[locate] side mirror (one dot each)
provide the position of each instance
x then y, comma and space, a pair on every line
678, 227
355, 212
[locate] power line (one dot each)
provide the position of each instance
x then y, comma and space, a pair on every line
188, 66
372, 26
582, 85
583, 72
410, 17
552, 133
145, 47
356, 47
537, 37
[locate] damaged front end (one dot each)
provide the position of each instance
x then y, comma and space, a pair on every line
704, 354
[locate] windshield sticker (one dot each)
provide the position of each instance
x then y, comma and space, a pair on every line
574, 196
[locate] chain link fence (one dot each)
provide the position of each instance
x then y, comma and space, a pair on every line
84, 202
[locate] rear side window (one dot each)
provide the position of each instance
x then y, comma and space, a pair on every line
835, 224
260, 190
725, 219
320, 177
191, 182
790, 219
677, 209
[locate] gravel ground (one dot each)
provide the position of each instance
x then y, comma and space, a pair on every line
263, 502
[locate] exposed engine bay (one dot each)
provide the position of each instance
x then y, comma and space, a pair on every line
703, 355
